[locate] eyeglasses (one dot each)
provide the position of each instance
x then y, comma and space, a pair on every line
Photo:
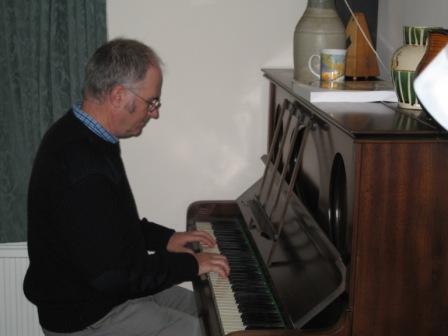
151, 105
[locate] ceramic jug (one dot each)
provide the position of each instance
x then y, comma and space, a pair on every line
319, 28
404, 63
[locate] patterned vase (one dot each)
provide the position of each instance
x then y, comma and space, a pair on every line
404, 63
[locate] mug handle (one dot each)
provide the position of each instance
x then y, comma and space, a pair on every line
310, 67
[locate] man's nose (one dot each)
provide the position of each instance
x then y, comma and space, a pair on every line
154, 114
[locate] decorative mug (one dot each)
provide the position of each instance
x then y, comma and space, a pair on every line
332, 65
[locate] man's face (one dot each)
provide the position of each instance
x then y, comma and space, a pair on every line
135, 115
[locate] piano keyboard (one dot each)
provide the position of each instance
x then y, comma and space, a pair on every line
244, 300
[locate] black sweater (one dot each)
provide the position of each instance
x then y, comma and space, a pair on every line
86, 243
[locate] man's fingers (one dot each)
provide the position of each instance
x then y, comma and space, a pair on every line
178, 240
211, 262
185, 250
204, 237
222, 267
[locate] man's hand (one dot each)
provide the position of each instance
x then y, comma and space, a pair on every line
208, 262
212, 262
178, 241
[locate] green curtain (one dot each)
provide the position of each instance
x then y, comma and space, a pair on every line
44, 46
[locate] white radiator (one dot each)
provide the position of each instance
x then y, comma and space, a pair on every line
18, 317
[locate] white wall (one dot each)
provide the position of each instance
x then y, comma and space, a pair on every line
213, 122
212, 129
394, 14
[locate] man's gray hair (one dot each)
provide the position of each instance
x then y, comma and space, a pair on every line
119, 61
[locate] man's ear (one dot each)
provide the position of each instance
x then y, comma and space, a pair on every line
117, 95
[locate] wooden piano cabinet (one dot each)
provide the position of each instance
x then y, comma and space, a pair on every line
400, 235
375, 178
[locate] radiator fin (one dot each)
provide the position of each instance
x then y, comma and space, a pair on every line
18, 317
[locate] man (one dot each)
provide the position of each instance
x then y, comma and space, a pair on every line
90, 271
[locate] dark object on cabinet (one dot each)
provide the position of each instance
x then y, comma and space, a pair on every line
368, 7
349, 221
361, 61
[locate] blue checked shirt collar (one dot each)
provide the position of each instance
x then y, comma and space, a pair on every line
93, 125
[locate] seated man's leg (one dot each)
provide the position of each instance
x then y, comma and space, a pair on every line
147, 317
177, 298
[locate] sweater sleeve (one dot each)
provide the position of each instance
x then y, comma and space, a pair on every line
156, 236
108, 253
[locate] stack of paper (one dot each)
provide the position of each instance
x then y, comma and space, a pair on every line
348, 91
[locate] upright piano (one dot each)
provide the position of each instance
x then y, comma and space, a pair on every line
346, 232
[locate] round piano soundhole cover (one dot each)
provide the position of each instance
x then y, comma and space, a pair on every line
338, 208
